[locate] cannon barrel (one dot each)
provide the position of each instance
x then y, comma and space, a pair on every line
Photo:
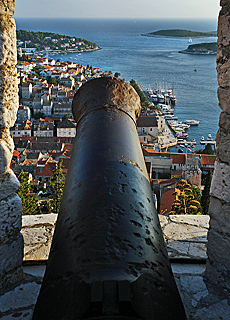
108, 258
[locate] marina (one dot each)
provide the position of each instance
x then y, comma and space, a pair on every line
161, 100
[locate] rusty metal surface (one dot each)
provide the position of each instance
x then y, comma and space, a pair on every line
108, 259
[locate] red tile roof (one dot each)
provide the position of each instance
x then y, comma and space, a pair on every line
178, 158
167, 199
207, 159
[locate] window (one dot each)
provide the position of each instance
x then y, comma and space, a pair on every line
41, 170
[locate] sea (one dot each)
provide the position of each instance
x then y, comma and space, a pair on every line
148, 60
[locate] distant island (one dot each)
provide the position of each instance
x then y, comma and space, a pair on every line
47, 41
180, 33
201, 48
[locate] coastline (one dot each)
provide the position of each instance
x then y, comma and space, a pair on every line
68, 51
197, 52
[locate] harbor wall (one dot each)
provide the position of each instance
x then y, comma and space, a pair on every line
11, 242
218, 263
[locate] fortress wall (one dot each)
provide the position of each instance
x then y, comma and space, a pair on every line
11, 242
218, 265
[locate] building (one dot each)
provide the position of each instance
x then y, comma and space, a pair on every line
26, 90
21, 130
23, 114
66, 128
43, 128
60, 109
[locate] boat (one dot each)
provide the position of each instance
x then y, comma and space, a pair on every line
192, 122
202, 138
190, 40
161, 98
209, 137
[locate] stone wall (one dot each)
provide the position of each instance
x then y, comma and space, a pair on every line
218, 265
11, 243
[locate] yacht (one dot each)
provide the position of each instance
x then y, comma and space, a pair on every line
192, 122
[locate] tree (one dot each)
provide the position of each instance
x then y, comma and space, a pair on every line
29, 201
205, 199
117, 74
185, 202
66, 116
39, 115
56, 187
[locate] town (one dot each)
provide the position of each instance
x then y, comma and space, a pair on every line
45, 129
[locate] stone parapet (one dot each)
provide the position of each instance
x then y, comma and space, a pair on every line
185, 236
181, 233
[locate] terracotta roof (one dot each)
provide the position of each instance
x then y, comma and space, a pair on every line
207, 159
16, 153
167, 199
178, 158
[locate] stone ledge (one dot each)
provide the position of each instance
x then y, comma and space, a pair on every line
185, 236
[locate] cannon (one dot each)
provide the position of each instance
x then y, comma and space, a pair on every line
108, 259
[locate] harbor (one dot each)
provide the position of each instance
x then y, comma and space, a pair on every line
177, 134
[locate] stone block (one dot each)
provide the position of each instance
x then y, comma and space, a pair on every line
193, 220
224, 99
223, 68
223, 138
217, 311
33, 236
223, 30
220, 187
39, 253
220, 216
193, 284
8, 184
21, 297
197, 250
39, 220
10, 217
7, 7
8, 72
185, 232
6, 150
11, 254
218, 248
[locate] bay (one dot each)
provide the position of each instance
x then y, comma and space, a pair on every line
146, 59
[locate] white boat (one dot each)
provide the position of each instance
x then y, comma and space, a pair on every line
161, 98
190, 40
192, 122
209, 137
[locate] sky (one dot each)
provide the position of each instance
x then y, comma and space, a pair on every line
118, 8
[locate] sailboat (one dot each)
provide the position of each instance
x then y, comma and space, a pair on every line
195, 68
190, 40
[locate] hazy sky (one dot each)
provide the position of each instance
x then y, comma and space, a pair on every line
118, 8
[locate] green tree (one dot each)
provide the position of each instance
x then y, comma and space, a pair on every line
39, 115
205, 199
117, 74
29, 201
66, 116
56, 187
185, 202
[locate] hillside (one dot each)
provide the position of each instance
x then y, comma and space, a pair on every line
180, 33
53, 41
201, 48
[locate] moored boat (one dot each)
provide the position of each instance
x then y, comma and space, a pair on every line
192, 122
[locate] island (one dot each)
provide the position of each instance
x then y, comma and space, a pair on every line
201, 48
30, 41
180, 33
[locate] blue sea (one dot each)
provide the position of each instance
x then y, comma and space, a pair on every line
148, 59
